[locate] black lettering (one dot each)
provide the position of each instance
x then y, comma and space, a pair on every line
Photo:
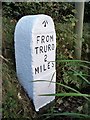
40, 68
38, 39
52, 46
45, 59
36, 70
52, 64
45, 48
36, 50
49, 47
44, 69
42, 39
47, 38
48, 65
51, 38
41, 49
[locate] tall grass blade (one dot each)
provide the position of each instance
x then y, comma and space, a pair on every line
66, 95
73, 115
52, 78
78, 74
82, 75
85, 66
62, 86
81, 61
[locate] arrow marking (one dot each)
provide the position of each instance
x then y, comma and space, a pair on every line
45, 22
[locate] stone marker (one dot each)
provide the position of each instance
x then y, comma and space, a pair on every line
35, 45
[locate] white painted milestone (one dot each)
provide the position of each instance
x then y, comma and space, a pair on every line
35, 46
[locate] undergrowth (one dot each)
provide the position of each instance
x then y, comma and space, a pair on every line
17, 104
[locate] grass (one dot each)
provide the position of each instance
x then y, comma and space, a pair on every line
15, 101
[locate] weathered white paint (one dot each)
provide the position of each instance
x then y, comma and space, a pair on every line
35, 45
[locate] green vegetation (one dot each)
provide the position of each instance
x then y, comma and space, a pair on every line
15, 102
73, 76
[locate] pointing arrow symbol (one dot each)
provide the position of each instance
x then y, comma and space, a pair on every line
45, 23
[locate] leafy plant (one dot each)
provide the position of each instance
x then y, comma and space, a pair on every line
72, 75
69, 89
